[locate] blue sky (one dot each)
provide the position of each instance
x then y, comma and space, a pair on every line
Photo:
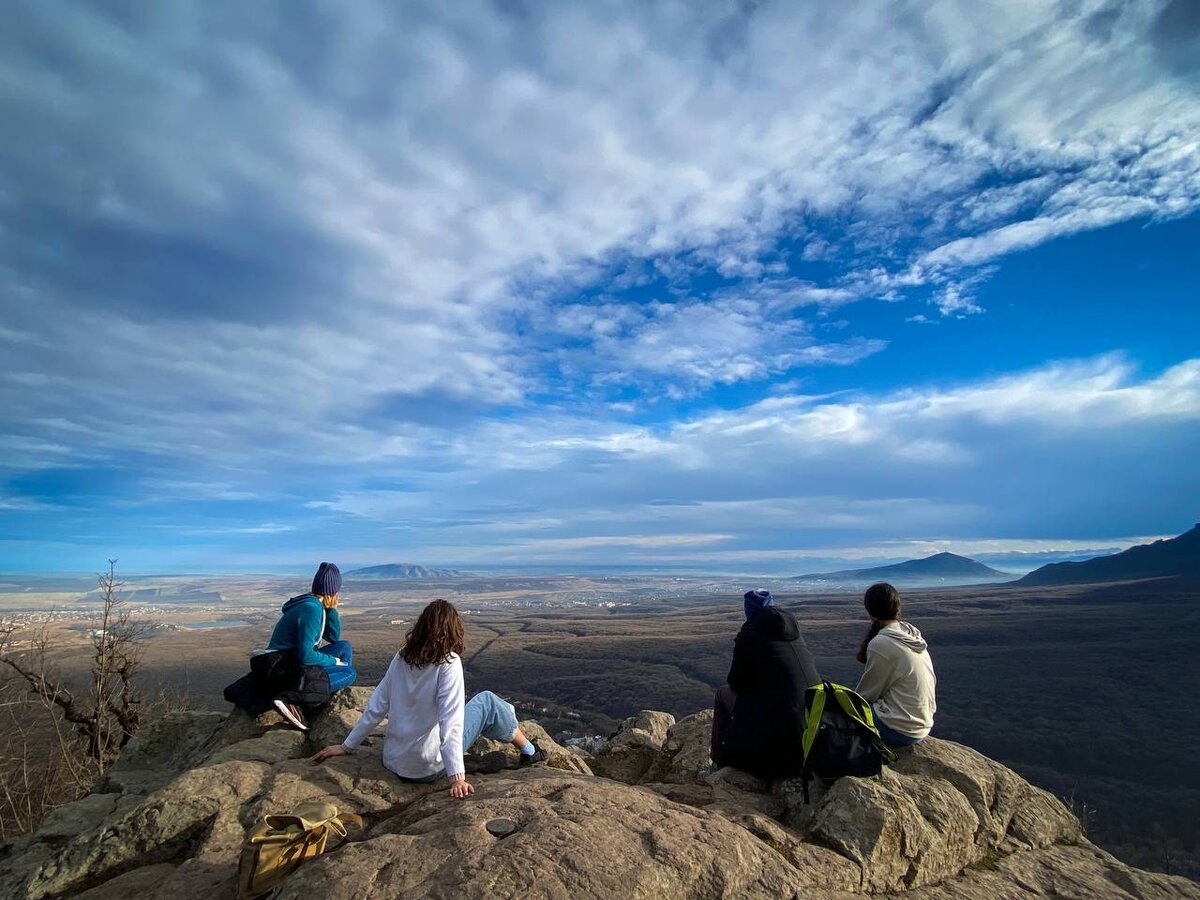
712, 285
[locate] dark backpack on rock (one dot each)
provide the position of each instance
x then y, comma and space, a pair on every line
248, 694
311, 691
277, 670
840, 737
279, 675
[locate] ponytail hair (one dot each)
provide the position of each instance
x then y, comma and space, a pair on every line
882, 601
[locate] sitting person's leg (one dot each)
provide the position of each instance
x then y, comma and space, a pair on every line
341, 649
893, 738
487, 715
340, 676
723, 703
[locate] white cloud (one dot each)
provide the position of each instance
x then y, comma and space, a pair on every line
954, 300
1097, 394
694, 345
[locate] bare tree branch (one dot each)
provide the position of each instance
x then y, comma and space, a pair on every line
81, 733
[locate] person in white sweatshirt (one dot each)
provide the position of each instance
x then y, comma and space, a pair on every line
898, 681
428, 724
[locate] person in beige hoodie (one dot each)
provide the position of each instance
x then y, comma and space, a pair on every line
898, 681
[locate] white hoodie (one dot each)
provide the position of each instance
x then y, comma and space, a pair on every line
424, 711
899, 682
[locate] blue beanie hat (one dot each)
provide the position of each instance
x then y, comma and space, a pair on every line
756, 600
327, 581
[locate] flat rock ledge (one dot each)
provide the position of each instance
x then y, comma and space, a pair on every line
654, 821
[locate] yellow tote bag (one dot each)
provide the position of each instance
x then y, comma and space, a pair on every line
278, 844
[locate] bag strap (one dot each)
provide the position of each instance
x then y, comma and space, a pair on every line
339, 822
812, 721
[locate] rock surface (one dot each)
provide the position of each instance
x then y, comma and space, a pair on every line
945, 822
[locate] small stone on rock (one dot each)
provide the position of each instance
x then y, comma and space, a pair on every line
500, 827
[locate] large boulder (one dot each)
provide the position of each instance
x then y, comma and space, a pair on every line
941, 808
190, 823
634, 750
902, 835
1068, 872
1005, 805
685, 751
333, 723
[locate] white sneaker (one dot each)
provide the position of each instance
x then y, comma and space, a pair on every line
292, 714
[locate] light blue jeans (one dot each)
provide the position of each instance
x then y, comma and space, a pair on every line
490, 716
486, 715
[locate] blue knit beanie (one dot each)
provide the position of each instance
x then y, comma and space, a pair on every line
756, 600
327, 581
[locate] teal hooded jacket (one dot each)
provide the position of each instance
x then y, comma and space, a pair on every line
299, 629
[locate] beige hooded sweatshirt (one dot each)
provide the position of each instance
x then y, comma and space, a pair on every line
898, 681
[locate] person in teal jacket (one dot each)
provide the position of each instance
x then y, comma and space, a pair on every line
306, 621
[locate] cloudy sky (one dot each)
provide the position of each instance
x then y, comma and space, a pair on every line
732, 285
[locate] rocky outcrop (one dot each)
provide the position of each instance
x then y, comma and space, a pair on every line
634, 749
684, 753
169, 819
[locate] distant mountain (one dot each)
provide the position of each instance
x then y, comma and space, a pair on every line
1174, 556
939, 567
402, 570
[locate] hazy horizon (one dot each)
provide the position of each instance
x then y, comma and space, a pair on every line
1017, 563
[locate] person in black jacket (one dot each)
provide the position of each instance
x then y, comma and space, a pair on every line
758, 716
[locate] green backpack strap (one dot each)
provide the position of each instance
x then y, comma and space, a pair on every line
812, 721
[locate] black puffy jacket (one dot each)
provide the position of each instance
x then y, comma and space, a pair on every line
771, 668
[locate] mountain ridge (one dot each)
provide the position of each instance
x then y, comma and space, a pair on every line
1175, 556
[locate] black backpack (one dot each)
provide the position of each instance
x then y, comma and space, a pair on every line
311, 692
279, 675
840, 737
